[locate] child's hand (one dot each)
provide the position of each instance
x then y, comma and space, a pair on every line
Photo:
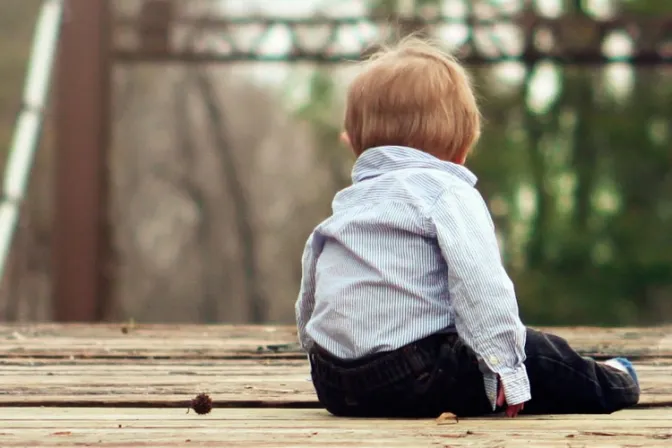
511, 411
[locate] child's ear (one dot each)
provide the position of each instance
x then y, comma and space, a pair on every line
461, 159
345, 139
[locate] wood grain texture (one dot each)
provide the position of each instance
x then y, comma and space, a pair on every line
130, 386
224, 342
229, 382
37, 427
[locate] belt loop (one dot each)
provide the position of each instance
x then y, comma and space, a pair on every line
413, 355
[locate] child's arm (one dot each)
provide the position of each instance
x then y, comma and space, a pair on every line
305, 304
482, 293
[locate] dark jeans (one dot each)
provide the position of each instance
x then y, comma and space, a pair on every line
441, 374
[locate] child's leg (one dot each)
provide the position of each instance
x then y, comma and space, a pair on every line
563, 381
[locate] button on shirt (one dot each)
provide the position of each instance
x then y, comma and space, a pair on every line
410, 250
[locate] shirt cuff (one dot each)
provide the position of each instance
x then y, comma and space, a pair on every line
516, 386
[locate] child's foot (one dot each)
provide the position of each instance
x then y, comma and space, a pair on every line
624, 365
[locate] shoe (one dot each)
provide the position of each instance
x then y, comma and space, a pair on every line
624, 365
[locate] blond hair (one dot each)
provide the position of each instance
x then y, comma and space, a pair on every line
413, 94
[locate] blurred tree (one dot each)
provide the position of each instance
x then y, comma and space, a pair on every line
599, 250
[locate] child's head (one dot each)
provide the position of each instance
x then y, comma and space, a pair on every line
414, 95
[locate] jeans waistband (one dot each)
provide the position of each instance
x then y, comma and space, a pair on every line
379, 370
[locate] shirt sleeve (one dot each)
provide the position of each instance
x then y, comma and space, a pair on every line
482, 294
305, 304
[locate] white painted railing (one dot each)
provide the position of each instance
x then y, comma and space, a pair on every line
29, 124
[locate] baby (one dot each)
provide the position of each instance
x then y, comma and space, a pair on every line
405, 307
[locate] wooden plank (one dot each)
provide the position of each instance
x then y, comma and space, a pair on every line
146, 341
222, 341
175, 382
306, 428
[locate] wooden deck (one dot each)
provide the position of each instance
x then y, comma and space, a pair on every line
116, 385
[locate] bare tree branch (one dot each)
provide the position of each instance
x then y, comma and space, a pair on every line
255, 300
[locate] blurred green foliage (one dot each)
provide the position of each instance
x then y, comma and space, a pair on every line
17, 19
580, 186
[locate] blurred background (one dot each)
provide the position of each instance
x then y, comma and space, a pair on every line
188, 147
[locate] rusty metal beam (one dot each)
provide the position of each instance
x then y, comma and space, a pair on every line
81, 230
644, 59
570, 39
223, 22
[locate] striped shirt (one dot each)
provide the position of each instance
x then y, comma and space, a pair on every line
410, 250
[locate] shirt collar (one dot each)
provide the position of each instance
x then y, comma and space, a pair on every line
384, 159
